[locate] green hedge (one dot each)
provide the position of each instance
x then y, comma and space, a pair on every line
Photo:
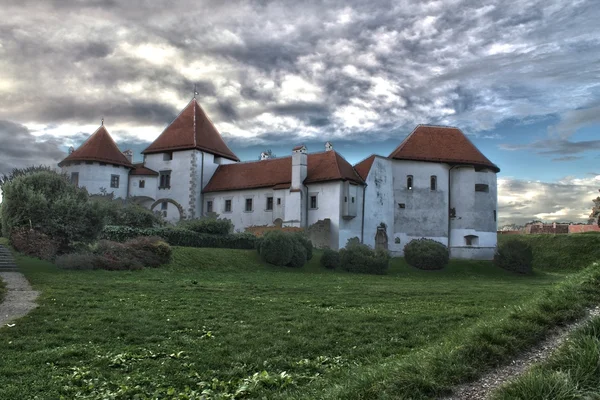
181, 237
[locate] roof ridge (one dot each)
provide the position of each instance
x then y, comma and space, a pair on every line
169, 124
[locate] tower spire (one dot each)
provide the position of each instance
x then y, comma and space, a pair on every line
102, 121
195, 91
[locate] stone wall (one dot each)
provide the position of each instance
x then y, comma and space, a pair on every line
583, 228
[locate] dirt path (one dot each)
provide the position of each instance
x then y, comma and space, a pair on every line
483, 387
19, 299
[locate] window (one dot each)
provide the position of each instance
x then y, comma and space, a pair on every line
115, 166
482, 187
75, 178
164, 205
168, 156
279, 201
409, 182
142, 184
209, 206
227, 205
269, 203
102, 163
494, 215
165, 180
313, 201
248, 205
77, 162
471, 240
352, 199
401, 205
345, 199
114, 181
433, 182
89, 162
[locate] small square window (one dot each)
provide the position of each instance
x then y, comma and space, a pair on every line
345, 199
89, 162
142, 184
352, 199
227, 205
102, 163
279, 201
248, 205
209, 206
168, 156
313, 201
269, 203
114, 181
482, 187
401, 205
75, 178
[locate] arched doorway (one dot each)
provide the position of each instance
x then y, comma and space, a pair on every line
167, 216
381, 238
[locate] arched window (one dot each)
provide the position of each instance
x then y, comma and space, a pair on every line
433, 182
471, 240
409, 182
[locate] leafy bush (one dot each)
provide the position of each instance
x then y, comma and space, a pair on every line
130, 214
426, 254
213, 226
182, 237
77, 261
150, 251
299, 254
516, 256
361, 258
330, 259
277, 248
34, 243
306, 242
258, 243
47, 202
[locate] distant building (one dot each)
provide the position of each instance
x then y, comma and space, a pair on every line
436, 184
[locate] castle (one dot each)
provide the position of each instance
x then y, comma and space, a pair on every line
435, 184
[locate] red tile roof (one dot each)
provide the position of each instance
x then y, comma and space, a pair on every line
140, 169
441, 144
364, 166
99, 147
276, 173
192, 129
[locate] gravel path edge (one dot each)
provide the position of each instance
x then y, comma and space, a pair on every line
19, 300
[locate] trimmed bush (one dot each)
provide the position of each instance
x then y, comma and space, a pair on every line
306, 242
298, 254
426, 254
516, 256
212, 226
34, 243
130, 214
150, 251
360, 258
277, 248
182, 237
330, 259
82, 261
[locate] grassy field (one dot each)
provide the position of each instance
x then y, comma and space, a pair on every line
572, 372
221, 321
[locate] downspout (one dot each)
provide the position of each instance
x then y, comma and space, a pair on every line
306, 207
202, 185
362, 225
449, 204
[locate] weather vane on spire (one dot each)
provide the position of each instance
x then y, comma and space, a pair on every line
102, 122
195, 91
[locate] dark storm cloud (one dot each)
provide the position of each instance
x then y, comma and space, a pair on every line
19, 148
556, 147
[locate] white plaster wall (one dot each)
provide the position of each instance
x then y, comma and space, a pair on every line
351, 227
379, 201
95, 176
328, 206
150, 187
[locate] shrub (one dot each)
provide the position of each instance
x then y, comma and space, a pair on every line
77, 261
258, 244
151, 251
299, 255
306, 242
277, 248
516, 256
213, 226
330, 259
361, 258
47, 202
34, 243
130, 214
182, 237
426, 254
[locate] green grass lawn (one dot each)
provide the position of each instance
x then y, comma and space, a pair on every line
224, 315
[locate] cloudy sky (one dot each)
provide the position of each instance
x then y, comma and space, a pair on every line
521, 78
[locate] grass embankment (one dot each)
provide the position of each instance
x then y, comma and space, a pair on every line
215, 319
561, 252
572, 372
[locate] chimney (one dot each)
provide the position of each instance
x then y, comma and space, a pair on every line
328, 146
264, 156
129, 155
299, 167
71, 149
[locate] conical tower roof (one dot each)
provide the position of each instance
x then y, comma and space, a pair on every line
192, 129
99, 147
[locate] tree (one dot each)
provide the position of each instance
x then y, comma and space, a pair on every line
48, 203
4, 178
595, 214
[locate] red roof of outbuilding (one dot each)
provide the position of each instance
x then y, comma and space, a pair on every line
364, 167
99, 147
277, 173
192, 129
441, 144
140, 169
